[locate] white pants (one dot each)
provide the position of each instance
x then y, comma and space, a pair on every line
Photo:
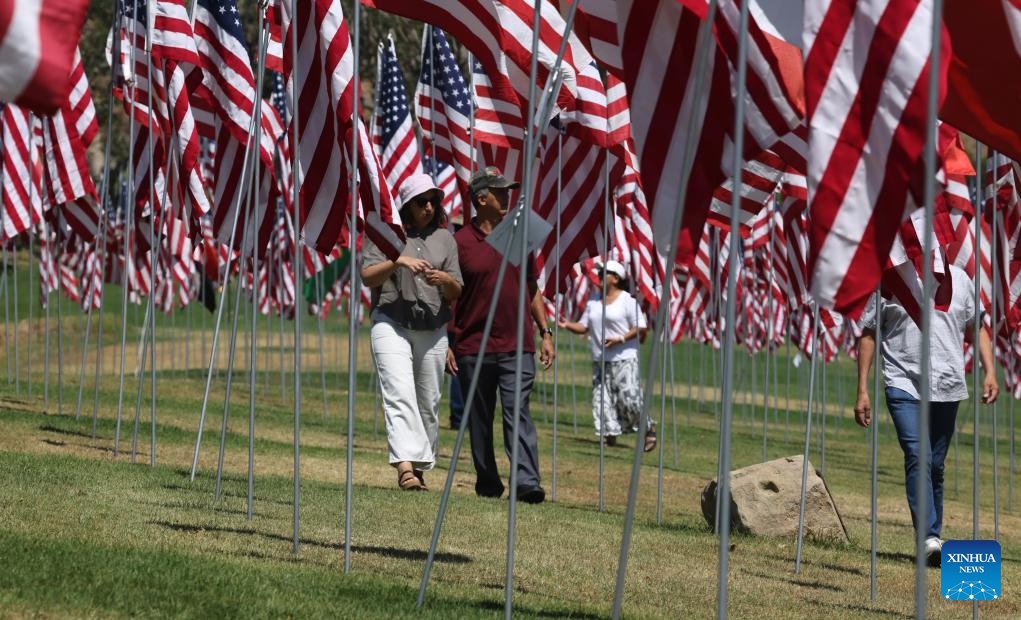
410, 366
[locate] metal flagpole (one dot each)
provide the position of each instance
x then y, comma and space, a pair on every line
924, 484
88, 320
141, 376
602, 348
250, 146
996, 455
769, 340
320, 295
355, 280
295, 185
153, 243
31, 296
558, 296
673, 402
662, 421
531, 142
256, 248
17, 323
808, 435
822, 410
1010, 470
574, 390
232, 351
703, 44
46, 318
787, 407
60, 357
7, 318
104, 228
726, 422
976, 326
874, 453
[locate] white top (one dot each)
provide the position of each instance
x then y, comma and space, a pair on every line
902, 341
621, 315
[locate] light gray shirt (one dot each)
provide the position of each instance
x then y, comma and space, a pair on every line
902, 342
408, 299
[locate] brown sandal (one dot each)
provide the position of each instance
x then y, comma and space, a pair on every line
650, 441
421, 479
407, 480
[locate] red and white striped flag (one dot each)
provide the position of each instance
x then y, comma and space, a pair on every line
392, 131
327, 125
38, 39
443, 105
663, 111
866, 82
21, 169
499, 34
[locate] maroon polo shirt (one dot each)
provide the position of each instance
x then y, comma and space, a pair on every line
480, 265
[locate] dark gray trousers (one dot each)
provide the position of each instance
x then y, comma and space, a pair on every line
498, 373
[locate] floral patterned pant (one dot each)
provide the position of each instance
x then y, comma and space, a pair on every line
617, 398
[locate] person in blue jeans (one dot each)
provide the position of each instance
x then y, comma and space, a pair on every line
951, 324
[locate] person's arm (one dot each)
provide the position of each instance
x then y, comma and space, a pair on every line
538, 308
571, 326
990, 387
866, 350
375, 275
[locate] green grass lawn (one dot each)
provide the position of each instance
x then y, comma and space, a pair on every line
86, 533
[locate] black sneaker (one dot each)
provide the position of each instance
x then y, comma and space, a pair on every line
489, 492
531, 495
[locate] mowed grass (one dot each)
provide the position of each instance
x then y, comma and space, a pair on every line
86, 533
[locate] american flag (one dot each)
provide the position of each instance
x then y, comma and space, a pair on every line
663, 111
21, 170
392, 129
327, 125
866, 83
571, 193
500, 36
229, 81
629, 195
38, 39
443, 105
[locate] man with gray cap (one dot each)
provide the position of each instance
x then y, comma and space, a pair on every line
480, 264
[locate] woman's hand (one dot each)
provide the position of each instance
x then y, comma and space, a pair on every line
438, 277
414, 265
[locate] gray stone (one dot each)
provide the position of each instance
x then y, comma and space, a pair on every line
765, 501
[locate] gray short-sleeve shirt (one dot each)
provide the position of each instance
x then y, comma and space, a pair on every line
902, 341
407, 299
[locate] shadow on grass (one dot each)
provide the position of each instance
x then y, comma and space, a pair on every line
525, 610
224, 493
828, 566
816, 585
896, 557
63, 431
858, 611
390, 552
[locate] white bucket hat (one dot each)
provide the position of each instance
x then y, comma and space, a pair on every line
418, 184
613, 267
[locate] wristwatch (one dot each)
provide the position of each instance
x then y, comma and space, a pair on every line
546, 331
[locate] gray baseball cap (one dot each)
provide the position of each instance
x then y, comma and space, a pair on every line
490, 177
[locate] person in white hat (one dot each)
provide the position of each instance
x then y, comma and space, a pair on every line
410, 308
617, 392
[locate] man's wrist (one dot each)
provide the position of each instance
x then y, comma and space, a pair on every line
546, 331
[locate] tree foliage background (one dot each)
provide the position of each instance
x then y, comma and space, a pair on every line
373, 28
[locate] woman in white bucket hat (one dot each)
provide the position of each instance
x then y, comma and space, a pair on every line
410, 309
616, 385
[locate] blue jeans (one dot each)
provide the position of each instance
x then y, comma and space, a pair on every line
904, 409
